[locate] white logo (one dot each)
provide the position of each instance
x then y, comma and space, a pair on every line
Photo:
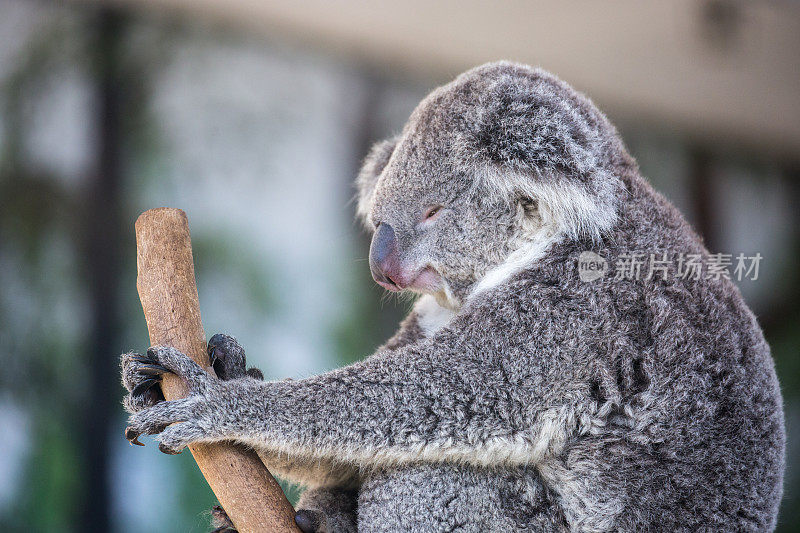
591, 266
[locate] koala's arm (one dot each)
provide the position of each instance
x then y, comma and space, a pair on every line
315, 471
229, 362
500, 385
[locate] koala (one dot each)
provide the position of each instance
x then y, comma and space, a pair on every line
515, 396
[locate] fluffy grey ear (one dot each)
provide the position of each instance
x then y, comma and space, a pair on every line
371, 169
544, 140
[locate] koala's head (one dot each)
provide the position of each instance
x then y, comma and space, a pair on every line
504, 159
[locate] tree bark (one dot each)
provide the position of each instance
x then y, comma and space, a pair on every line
249, 494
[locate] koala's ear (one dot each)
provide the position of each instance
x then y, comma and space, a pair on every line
529, 214
540, 137
529, 206
367, 177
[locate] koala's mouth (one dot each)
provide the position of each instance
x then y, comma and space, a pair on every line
426, 280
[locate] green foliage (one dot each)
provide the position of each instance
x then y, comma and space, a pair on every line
52, 483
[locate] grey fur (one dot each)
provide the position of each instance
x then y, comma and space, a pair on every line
546, 403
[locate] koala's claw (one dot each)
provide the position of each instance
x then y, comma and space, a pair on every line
139, 375
132, 436
144, 386
153, 370
139, 358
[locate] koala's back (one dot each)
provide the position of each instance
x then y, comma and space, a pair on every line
721, 437
687, 430
449, 497
721, 434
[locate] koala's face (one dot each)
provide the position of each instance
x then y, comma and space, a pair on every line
435, 231
436, 237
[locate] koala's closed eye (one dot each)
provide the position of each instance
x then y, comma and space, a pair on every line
432, 212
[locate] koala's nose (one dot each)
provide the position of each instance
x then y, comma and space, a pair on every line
384, 260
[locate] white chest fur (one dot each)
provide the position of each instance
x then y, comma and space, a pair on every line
431, 316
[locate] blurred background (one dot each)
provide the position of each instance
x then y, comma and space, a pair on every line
253, 116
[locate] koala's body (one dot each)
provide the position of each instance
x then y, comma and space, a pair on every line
515, 396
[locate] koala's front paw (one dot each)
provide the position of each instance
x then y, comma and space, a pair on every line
199, 416
140, 375
228, 358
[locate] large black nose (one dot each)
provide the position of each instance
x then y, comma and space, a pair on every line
384, 260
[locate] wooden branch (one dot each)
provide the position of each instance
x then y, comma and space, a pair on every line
249, 494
